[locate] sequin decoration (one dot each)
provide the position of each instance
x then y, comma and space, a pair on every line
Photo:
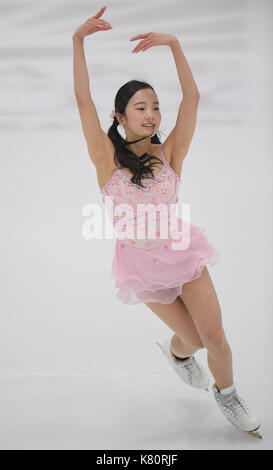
149, 183
163, 188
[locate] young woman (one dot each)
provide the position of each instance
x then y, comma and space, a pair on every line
174, 283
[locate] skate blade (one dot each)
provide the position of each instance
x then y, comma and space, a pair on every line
255, 433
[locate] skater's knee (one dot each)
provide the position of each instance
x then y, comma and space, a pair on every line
215, 341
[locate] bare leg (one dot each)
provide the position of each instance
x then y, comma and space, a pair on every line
180, 349
202, 303
186, 339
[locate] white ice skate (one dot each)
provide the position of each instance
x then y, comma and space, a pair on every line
190, 370
237, 412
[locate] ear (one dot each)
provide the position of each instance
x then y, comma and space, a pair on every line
120, 119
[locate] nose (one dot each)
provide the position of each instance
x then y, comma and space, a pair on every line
149, 113
149, 117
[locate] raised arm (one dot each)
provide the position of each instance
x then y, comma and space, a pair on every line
178, 141
186, 118
93, 133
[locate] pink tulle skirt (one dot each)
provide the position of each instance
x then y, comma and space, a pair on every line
157, 275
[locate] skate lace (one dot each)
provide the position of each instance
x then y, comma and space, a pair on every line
190, 367
235, 405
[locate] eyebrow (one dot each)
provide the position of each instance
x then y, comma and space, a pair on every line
144, 102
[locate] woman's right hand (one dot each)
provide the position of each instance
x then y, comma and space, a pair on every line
92, 25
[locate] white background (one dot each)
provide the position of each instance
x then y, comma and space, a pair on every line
78, 369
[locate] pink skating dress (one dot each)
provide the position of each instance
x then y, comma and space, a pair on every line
149, 269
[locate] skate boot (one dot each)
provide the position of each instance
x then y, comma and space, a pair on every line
236, 411
189, 370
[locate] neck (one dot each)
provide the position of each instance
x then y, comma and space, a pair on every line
140, 148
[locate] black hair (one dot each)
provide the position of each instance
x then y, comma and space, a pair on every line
124, 156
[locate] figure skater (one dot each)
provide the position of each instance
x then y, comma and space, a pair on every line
174, 283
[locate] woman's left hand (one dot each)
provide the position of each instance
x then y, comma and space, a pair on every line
152, 39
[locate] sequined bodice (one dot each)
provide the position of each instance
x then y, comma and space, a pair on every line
162, 189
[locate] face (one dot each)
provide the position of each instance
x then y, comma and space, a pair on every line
142, 108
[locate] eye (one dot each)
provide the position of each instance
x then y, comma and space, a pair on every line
156, 109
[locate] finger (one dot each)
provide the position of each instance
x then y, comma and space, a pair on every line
103, 23
101, 26
100, 12
147, 47
141, 45
140, 36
